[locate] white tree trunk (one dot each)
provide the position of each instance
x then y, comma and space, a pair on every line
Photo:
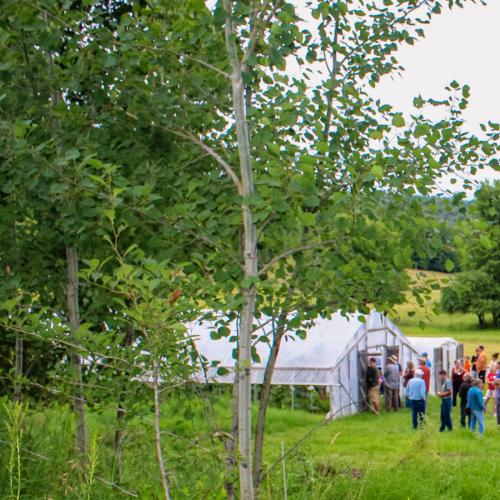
250, 266
74, 324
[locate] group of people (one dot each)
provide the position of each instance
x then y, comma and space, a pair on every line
465, 384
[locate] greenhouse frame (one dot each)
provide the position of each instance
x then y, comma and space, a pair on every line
334, 355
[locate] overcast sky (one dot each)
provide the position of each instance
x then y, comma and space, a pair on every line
461, 44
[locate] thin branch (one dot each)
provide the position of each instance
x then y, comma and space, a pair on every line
294, 251
223, 163
199, 61
210, 151
256, 33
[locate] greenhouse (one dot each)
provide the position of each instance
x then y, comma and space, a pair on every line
442, 352
333, 355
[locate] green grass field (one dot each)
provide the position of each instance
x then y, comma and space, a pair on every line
360, 457
366, 456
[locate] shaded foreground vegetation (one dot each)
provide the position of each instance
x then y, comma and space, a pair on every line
357, 457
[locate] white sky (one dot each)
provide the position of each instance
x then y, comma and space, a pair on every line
461, 44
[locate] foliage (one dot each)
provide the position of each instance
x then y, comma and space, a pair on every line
477, 290
121, 138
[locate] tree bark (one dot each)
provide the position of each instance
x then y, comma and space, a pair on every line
264, 398
76, 363
482, 322
18, 369
248, 290
159, 454
121, 411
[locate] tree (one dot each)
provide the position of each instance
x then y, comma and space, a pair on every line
477, 289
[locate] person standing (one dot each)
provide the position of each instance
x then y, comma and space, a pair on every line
427, 374
497, 394
482, 363
408, 375
493, 362
391, 384
373, 385
490, 390
445, 394
467, 364
473, 361
428, 362
476, 406
462, 394
416, 394
457, 377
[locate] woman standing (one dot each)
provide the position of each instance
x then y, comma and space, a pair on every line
457, 377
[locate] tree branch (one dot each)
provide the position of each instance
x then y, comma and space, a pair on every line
210, 151
296, 250
256, 33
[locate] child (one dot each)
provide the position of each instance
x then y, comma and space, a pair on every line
490, 393
467, 364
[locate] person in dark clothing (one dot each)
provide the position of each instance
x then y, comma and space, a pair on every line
462, 394
473, 362
445, 394
457, 377
373, 386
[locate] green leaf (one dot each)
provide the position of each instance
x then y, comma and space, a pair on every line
376, 134
377, 171
449, 265
322, 147
398, 120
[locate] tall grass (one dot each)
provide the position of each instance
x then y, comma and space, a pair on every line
15, 413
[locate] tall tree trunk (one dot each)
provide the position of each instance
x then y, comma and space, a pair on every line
76, 362
18, 369
264, 398
121, 410
248, 290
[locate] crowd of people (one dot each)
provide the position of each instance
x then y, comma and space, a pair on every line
463, 387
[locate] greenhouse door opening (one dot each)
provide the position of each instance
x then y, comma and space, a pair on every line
363, 357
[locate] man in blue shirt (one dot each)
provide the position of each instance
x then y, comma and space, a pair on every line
428, 362
476, 405
416, 392
445, 394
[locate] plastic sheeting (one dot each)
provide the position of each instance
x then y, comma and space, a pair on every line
328, 356
442, 353
300, 362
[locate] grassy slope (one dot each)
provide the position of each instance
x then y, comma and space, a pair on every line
361, 457
366, 456
462, 327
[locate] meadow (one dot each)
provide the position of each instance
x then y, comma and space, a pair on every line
360, 457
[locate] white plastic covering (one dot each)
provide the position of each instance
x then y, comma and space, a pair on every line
445, 347
328, 356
